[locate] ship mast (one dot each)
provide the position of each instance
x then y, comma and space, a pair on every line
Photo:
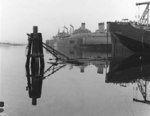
145, 16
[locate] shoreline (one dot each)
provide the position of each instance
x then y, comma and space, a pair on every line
12, 44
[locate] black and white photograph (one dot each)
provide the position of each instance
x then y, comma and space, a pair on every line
74, 58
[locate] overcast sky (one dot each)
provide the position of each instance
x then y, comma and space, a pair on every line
18, 16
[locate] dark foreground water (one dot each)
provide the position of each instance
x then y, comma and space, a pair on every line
71, 91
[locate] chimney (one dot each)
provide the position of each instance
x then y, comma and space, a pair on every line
101, 26
83, 26
35, 29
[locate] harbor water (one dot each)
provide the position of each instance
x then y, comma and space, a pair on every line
70, 91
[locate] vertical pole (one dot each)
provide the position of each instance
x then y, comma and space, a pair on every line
107, 42
145, 90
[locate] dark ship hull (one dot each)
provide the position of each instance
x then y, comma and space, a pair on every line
132, 36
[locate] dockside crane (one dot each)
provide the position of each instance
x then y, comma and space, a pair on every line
144, 20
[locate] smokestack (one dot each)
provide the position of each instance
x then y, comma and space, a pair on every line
35, 29
101, 26
83, 26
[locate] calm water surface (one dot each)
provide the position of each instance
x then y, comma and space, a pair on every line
67, 92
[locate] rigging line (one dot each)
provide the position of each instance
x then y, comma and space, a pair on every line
54, 71
50, 51
48, 69
138, 13
55, 51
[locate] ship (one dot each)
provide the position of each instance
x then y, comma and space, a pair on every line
134, 35
82, 38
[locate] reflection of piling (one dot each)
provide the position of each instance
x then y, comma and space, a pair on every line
82, 69
100, 69
35, 64
1, 106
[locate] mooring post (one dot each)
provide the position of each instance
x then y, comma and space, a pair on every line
36, 46
35, 57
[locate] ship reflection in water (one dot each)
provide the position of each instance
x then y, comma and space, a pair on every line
121, 65
134, 69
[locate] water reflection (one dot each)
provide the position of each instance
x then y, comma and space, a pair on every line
54, 66
81, 57
1, 106
97, 56
133, 69
122, 67
129, 69
125, 66
34, 75
75, 57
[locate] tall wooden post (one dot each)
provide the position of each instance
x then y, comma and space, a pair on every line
35, 65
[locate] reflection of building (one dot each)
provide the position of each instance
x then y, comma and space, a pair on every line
100, 65
100, 69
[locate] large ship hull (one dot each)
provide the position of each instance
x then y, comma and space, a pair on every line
135, 38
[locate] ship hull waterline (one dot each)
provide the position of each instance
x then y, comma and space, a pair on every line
133, 37
133, 44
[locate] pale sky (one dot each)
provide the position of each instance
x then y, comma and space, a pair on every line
17, 17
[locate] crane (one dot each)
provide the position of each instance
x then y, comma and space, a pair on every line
145, 16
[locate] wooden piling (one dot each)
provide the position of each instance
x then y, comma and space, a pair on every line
35, 64
35, 29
